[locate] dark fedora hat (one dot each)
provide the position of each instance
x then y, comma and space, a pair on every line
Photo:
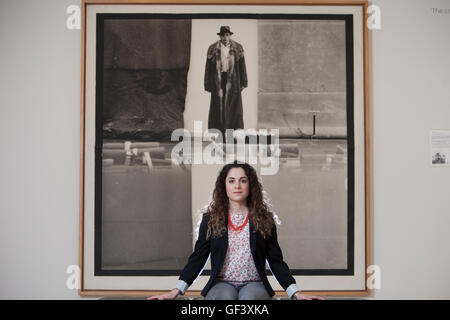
224, 29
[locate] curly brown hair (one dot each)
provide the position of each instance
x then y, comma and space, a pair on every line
260, 215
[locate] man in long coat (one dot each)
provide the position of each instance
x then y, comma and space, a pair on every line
225, 77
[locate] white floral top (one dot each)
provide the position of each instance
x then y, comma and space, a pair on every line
239, 266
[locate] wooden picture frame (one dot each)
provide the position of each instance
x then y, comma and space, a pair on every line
350, 281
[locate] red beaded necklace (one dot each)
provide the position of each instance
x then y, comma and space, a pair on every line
238, 228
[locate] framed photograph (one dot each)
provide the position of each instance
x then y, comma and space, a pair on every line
296, 86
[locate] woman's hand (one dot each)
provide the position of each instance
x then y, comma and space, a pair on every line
167, 296
301, 296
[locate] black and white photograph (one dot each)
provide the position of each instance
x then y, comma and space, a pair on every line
143, 70
439, 158
303, 91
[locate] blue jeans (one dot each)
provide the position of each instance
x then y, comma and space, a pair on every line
230, 291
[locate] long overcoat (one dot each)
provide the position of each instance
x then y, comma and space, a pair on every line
226, 113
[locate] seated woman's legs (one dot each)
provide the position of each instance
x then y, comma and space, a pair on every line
253, 291
222, 291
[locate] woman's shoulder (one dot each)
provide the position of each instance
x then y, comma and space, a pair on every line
206, 215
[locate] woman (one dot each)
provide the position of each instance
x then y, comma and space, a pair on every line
240, 234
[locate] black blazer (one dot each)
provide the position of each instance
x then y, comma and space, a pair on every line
261, 249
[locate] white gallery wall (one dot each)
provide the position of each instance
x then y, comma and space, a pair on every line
40, 149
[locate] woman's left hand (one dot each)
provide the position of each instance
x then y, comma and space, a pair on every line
301, 296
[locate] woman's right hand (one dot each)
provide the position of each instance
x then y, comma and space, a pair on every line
167, 296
